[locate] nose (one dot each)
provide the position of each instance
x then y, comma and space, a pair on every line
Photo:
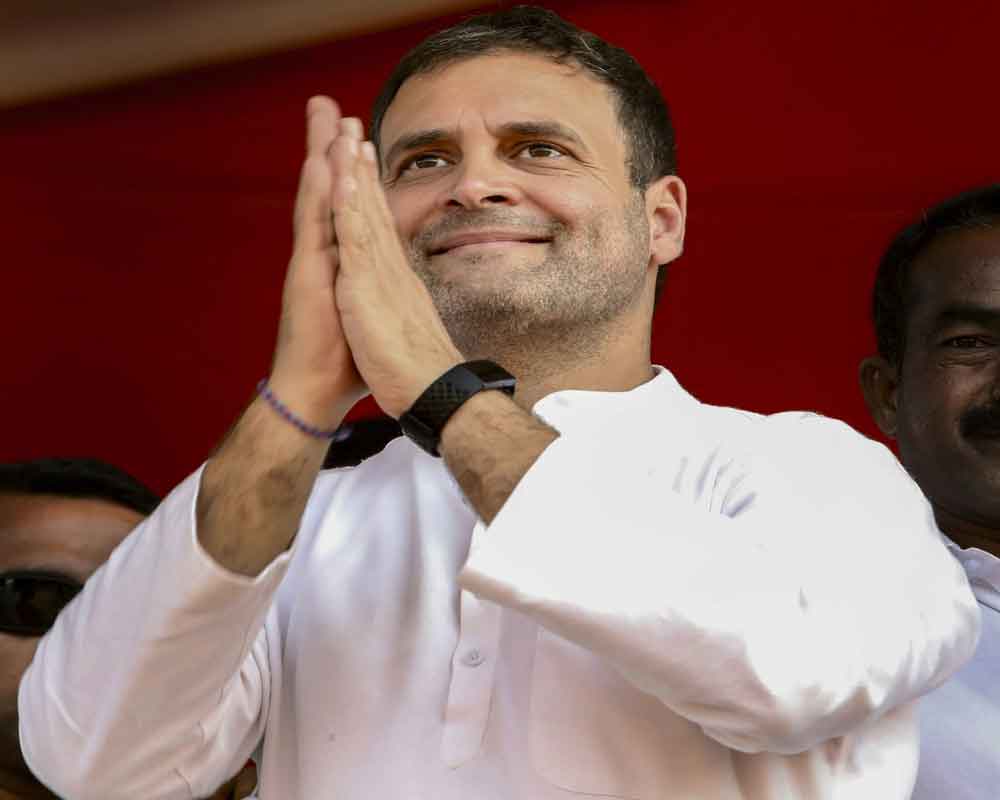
481, 181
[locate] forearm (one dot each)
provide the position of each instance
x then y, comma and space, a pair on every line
488, 445
254, 489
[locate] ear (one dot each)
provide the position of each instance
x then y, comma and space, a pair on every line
880, 386
666, 209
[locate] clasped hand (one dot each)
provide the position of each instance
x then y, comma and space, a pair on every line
355, 317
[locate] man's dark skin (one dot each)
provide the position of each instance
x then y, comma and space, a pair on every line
942, 403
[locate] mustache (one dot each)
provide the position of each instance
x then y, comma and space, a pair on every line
462, 220
981, 421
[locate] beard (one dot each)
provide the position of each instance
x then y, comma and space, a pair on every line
515, 308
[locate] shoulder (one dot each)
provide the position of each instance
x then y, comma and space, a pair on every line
821, 439
804, 449
796, 436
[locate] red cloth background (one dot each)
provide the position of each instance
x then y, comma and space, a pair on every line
145, 229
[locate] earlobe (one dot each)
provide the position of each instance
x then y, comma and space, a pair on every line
666, 205
879, 384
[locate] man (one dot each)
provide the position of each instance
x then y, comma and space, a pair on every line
603, 587
935, 388
59, 521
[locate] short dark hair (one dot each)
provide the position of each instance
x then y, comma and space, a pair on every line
642, 111
77, 477
976, 208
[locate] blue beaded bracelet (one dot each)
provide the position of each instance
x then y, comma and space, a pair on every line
310, 430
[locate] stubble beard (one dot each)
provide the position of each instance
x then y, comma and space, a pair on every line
561, 309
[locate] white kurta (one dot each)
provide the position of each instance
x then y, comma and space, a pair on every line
960, 722
677, 601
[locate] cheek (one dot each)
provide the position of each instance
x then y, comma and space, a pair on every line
409, 209
933, 408
569, 203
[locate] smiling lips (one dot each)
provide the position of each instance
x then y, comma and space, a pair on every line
490, 239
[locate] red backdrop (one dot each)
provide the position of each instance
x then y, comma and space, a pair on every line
146, 229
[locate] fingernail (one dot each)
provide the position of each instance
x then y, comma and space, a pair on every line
352, 145
357, 128
368, 151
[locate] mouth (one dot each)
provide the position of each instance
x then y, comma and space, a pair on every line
485, 240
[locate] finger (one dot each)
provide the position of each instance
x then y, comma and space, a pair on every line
342, 153
343, 156
311, 218
349, 129
391, 259
348, 221
322, 122
375, 211
372, 186
351, 126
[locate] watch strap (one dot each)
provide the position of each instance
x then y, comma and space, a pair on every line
427, 417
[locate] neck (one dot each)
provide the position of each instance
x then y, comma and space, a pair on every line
604, 361
968, 534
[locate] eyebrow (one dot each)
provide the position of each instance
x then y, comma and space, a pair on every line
549, 129
967, 312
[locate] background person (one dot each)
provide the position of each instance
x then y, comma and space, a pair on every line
935, 388
60, 519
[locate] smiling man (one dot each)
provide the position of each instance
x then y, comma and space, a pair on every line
601, 587
935, 388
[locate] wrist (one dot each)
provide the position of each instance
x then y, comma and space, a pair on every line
308, 412
468, 417
426, 418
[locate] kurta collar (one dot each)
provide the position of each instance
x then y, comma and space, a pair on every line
566, 409
983, 570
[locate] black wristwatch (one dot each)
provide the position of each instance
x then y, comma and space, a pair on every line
426, 418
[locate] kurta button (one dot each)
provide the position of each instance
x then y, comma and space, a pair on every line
473, 658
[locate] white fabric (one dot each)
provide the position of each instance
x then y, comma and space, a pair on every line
960, 722
677, 601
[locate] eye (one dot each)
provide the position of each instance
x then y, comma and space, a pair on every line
423, 161
967, 342
537, 150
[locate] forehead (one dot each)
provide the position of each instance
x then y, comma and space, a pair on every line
69, 535
501, 88
959, 266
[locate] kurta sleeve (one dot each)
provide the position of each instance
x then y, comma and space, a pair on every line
154, 682
776, 597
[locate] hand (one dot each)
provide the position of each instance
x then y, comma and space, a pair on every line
313, 372
399, 343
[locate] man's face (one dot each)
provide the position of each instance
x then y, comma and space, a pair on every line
68, 536
949, 390
508, 180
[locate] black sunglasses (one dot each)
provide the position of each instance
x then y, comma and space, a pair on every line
31, 601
